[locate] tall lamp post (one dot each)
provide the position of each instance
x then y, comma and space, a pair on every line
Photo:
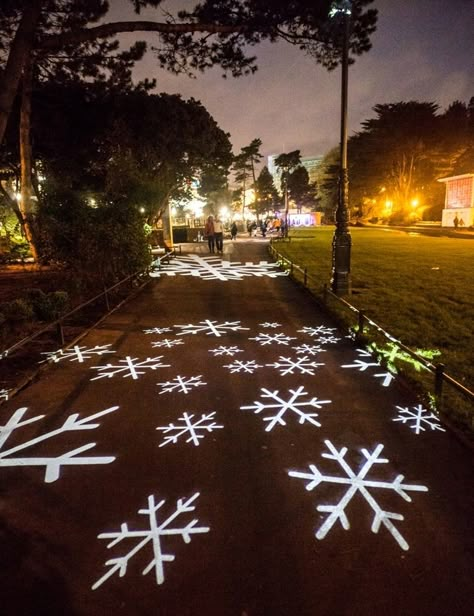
342, 242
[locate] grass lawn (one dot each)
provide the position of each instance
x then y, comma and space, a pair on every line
418, 288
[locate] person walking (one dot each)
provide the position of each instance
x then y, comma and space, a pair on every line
219, 234
210, 233
233, 231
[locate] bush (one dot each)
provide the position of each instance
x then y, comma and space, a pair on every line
17, 310
47, 306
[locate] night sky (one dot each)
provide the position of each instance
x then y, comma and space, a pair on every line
422, 50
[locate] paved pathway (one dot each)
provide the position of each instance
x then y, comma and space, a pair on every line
234, 455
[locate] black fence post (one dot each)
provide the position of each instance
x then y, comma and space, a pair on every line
106, 297
439, 376
60, 332
305, 279
361, 326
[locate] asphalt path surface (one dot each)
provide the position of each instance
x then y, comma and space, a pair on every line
223, 462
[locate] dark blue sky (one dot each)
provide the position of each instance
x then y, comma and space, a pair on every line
422, 50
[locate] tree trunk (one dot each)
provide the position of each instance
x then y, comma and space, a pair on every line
19, 52
27, 201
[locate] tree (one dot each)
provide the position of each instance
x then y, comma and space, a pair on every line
285, 163
252, 154
269, 198
242, 170
328, 181
302, 192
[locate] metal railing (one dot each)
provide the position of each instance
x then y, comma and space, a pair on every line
363, 323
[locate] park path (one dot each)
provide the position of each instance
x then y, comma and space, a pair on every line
235, 455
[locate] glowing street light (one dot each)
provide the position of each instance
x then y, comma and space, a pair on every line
342, 242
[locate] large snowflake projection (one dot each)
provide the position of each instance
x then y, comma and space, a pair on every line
77, 353
157, 330
308, 349
191, 427
166, 342
52, 464
248, 366
287, 365
357, 482
214, 268
129, 367
225, 350
362, 364
4, 394
210, 328
281, 407
418, 419
154, 535
268, 325
266, 339
319, 330
181, 384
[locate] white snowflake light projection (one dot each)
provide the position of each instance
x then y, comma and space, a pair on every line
77, 353
418, 419
287, 365
318, 330
328, 340
210, 328
166, 342
154, 535
280, 407
129, 367
182, 384
225, 350
214, 268
157, 330
52, 464
308, 349
190, 426
4, 394
248, 366
266, 339
361, 365
267, 325
357, 482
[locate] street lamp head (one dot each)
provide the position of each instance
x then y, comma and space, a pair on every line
340, 6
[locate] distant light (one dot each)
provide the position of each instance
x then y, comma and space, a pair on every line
340, 7
414, 202
18, 196
141, 210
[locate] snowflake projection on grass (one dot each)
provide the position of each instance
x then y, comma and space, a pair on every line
157, 330
308, 349
181, 384
361, 365
214, 268
287, 365
154, 535
318, 330
357, 482
270, 325
418, 419
210, 328
52, 464
265, 339
191, 427
281, 406
4, 394
129, 367
225, 350
166, 342
76, 353
243, 366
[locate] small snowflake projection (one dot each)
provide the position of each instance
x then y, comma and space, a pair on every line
281, 406
129, 367
418, 419
357, 482
154, 535
214, 268
52, 464
308, 349
157, 330
166, 342
319, 330
243, 366
181, 384
77, 353
210, 328
270, 325
4, 394
191, 427
303, 365
362, 364
328, 340
225, 350
265, 339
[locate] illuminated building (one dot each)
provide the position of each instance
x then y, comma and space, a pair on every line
459, 202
